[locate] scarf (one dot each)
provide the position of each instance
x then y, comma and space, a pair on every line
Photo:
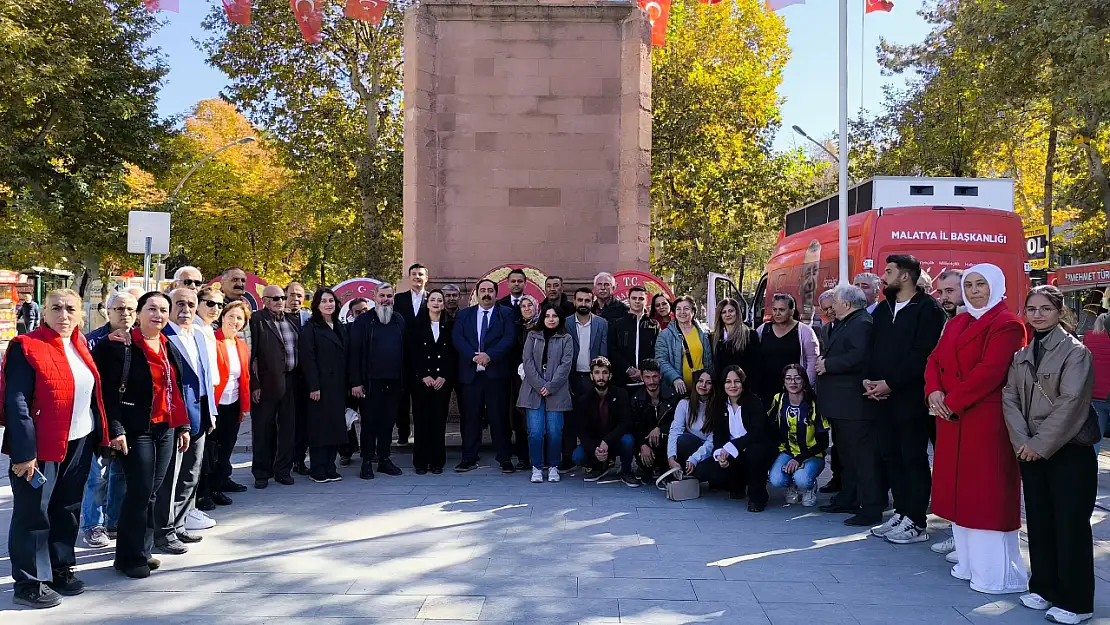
531, 322
997, 281
547, 334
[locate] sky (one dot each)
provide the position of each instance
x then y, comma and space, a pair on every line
810, 79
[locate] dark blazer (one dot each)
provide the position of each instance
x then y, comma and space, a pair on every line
750, 360
427, 357
402, 305
268, 355
622, 344
599, 338
131, 412
375, 350
762, 435
498, 343
590, 429
323, 363
900, 348
840, 388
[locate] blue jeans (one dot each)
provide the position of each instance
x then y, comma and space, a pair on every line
1102, 409
804, 477
581, 456
103, 494
543, 422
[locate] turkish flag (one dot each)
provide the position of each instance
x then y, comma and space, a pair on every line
870, 6
161, 5
309, 19
238, 11
658, 11
366, 10
710, 1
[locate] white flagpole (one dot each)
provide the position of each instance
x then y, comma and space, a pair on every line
843, 149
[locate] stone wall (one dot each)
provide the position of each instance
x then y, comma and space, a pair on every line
527, 137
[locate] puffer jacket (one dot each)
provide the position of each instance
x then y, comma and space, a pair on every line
1046, 406
670, 353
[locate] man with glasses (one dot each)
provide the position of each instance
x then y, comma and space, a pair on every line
188, 278
105, 487
273, 386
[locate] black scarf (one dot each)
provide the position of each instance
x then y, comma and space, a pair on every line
1038, 348
547, 334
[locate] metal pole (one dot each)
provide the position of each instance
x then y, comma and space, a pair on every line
146, 266
843, 160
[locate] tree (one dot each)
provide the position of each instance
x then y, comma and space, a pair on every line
333, 109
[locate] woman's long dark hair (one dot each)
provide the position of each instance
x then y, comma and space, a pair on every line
808, 393
541, 327
718, 404
693, 401
1055, 297
318, 316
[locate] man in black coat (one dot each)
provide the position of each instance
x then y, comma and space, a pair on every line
606, 304
653, 407
840, 374
556, 298
517, 280
632, 339
604, 426
908, 325
409, 304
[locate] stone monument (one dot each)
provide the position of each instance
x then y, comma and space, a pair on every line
527, 137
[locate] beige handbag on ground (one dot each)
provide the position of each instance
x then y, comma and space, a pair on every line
682, 488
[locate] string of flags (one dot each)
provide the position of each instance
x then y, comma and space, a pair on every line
309, 16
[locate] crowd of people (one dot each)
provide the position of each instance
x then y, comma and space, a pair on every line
127, 434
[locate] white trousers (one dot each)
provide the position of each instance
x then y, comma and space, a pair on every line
990, 560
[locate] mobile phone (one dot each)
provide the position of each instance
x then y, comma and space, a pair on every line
38, 479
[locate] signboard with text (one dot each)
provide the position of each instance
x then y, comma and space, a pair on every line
1077, 277
1036, 246
652, 284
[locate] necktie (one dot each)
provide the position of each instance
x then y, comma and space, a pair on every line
485, 326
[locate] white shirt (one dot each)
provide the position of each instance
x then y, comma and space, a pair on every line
898, 306
189, 345
234, 370
736, 429
81, 421
636, 361
871, 308
210, 342
583, 363
417, 301
515, 299
483, 312
435, 330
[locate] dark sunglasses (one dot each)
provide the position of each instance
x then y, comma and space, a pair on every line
276, 298
213, 303
191, 282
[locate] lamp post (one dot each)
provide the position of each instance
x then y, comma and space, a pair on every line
798, 129
845, 180
241, 141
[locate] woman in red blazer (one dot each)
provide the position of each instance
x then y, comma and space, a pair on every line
233, 396
976, 480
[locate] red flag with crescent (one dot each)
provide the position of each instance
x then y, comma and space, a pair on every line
366, 10
870, 6
161, 5
310, 19
238, 11
658, 12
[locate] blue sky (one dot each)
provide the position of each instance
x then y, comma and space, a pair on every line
809, 81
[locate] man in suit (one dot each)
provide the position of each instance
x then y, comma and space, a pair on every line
175, 498
517, 280
273, 386
409, 305
519, 429
840, 373
484, 336
590, 334
296, 314
376, 371
827, 302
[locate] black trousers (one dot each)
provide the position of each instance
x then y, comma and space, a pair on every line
208, 467
378, 411
659, 456
322, 461
520, 422
905, 453
686, 446
1059, 499
405, 409
747, 471
300, 419
580, 384
861, 465
834, 458
144, 467
489, 394
45, 520
273, 434
225, 436
351, 447
429, 422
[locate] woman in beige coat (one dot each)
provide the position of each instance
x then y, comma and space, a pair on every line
1046, 404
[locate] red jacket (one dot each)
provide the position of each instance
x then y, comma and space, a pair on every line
47, 420
223, 364
976, 480
1099, 344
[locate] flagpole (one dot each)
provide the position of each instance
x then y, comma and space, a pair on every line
843, 148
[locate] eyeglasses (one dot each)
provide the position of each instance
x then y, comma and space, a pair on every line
213, 303
123, 310
792, 378
191, 282
276, 298
1045, 311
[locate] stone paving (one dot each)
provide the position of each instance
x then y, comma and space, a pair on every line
487, 547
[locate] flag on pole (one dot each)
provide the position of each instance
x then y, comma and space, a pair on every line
309, 19
161, 5
658, 11
238, 11
775, 5
366, 10
870, 6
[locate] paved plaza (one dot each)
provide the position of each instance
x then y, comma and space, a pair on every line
487, 547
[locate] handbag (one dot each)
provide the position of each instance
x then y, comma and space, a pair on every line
682, 488
1088, 435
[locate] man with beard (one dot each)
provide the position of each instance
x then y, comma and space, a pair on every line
233, 283
517, 280
484, 336
553, 289
652, 413
451, 296
273, 386
907, 326
632, 339
590, 335
950, 292
606, 305
604, 426
375, 365
869, 283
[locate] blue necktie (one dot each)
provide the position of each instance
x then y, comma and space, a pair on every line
485, 327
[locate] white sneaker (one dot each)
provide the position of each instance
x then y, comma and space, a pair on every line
553, 474
537, 475
951, 557
809, 497
792, 496
892, 523
1033, 601
203, 514
1060, 615
907, 533
197, 520
946, 546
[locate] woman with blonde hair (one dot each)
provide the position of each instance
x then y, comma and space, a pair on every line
736, 344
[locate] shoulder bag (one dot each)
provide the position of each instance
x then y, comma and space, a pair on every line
681, 488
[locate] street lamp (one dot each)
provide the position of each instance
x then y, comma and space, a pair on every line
241, 141
798, 129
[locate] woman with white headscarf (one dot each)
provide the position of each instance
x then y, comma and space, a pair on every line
976, 480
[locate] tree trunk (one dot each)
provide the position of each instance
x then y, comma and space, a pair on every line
1049, 181
1098, 170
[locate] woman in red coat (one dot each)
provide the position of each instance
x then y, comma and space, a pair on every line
976, 480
